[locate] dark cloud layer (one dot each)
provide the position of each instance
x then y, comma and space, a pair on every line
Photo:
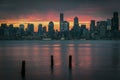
9, 8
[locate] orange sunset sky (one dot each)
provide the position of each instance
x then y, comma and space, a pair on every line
43, 11
37, 19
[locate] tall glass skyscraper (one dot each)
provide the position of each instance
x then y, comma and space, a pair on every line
115, 22
92, 26
30, 29
40, 30
76, 22
51, 29
61, 21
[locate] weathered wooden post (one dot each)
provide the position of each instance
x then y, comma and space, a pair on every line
70, 62
52, 62
23, 69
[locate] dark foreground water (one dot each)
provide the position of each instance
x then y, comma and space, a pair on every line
92, 60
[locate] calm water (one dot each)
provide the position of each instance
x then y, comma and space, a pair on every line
92, 60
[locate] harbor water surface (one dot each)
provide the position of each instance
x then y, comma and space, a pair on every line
91, 60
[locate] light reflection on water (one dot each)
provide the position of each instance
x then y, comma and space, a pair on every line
91, 60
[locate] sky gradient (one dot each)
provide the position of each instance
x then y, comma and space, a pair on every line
43, 11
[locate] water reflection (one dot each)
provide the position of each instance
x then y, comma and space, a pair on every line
81, 60
90, 61
60, 71
115, 56
115, 61
57, 59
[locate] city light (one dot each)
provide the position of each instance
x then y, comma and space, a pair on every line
63, 29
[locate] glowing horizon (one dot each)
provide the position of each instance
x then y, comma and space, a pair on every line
37, 19
36, 22
44, 19
44, 11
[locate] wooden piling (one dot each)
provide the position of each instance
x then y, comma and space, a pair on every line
70, 62
23, 69
52, 61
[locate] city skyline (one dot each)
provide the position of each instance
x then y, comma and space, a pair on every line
42, 11
108, 29
57, 24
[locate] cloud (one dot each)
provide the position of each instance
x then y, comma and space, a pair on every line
18, 8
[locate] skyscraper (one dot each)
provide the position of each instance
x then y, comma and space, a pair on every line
21, 30
108, 24
40, 30
115, 22
92, 26
76, 29
61, 17
44, 29
61, 21
103, 28
65, 32
115, 26
84, 31
21, 26
65, 25
51, 29
50, 26
4, 29
76, 22
30, 29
